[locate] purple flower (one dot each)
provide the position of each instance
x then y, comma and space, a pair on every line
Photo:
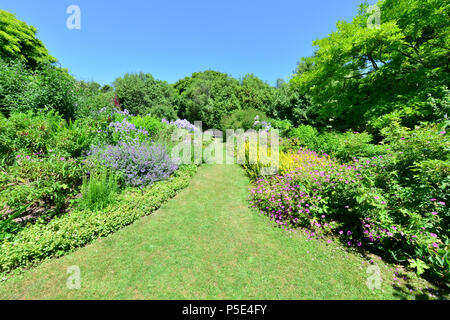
349, 232
349, 243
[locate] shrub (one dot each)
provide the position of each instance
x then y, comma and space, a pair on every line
28, 133
46, 88
180, 124
343, 146
139, 163
284, 126
38, 181
242, 119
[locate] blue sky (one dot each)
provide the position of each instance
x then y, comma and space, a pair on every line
171, 39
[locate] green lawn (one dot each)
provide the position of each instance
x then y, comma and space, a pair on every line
204, 244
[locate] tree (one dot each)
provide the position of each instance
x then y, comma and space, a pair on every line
18, 42
364, 76
141, 94
207, 96
257, 94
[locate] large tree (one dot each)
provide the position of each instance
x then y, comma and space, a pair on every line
18, 42
363, 74
141, 94
208, 96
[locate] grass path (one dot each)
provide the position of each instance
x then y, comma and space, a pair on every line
204, 244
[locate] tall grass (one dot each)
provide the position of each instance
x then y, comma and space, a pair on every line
99, 190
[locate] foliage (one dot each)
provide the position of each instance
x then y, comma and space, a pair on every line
139, 163
181, 124
141, 94
242, 119
38, 181
46, 88
18, 42
359, 74
207, 96
66, 233
93, 100
100, 190
343, 146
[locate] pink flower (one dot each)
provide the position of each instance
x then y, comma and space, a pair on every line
433, 235
359, 244
434, 213
349, 243
329, 241
377, 197
435, 245
62, 159
443, 132
341, 232
28, 157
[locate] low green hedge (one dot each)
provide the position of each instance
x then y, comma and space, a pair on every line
62, 235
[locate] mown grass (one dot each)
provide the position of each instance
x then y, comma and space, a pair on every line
205, 244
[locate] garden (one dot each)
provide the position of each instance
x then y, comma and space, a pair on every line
364, 162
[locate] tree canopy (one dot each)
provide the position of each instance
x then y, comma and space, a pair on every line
367, 75
18, 42
141, 94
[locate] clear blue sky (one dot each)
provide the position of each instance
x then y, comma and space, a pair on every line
171, 39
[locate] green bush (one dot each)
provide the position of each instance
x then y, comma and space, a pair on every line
46, 88
242, 119
28, 133
66, 233
39, 181
344, 146
152, 125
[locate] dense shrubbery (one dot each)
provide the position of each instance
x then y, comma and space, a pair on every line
45, 88
343, 146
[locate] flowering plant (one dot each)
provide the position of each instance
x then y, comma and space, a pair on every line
139, 163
